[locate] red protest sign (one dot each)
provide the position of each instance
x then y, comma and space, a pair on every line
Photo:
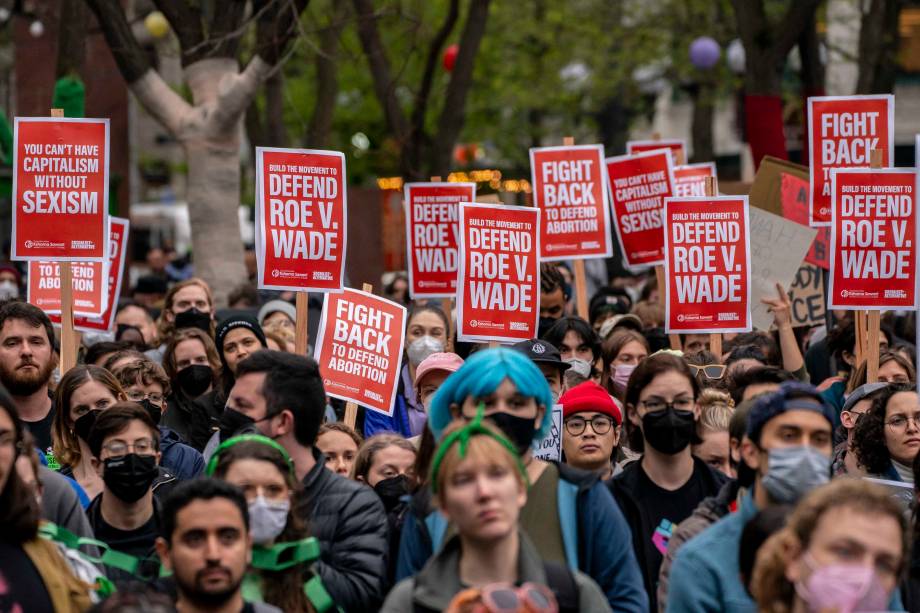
794, 200
677, 147
707, 264
690, 180
432, 236
498, 291
569, 187
873, 238
359, 348
301, 211
843, 132
88, 282
638, 186
60, 189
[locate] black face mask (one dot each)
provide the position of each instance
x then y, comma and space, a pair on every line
129, 477
668, 431
84, 424
233, 422
519, 430
545, 324
195, 379
391, 490
153, 410
193, 318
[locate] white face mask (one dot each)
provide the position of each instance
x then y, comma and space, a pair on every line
421, 348
267, 519
580, 366
8, 290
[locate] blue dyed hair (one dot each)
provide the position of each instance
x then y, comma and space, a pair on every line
481, 375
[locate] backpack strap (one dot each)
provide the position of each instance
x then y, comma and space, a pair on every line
566, 494
561, 581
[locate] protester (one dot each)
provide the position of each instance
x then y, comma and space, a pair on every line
892, 368
608, 302
547, 359
277, 314
910, 587
481, 486
561, 504
27, 361
149, 291
426, 334
841, 342
622, 352
788, 445
756, 381
34, 575
193, 367
386, 462
858, 402
577, 343
263, 471
744, 358
843, 549
707, 369
206, 546
145, 383
756, 531
245, 337
281, 395
591, 421
554, 294
136, 315
716, 409
665, 486
338, 442
10, 281
123, 358
81, 395
97, 353
694, 343
887, 437
620, 322
126, 515
192, 300
431, 374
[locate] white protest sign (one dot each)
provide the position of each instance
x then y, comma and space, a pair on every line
550, 447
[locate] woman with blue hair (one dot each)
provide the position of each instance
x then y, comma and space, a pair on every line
569, 514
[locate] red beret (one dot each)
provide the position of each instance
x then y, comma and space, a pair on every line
589, 396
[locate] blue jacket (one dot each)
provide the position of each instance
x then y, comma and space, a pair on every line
596, 538
376, 422
182, 460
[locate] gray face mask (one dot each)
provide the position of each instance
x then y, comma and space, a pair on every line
579, 366
794, 471
421, 348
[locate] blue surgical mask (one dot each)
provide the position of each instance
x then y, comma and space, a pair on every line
792, 472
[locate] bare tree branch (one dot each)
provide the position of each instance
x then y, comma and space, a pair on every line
327, 84
184, 17
277, 25
798, 15
129, 55
238, 94
223, 33
161, 101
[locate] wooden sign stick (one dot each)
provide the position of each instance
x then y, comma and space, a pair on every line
581, 283
446, 305
351, 409
300, 325
715, 339
873, 341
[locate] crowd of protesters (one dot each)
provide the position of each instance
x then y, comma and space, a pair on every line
193, 462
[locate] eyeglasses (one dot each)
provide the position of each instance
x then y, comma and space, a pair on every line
710, 371
899, 422
657, 404
575, 426
138, 396
118, 448
504, 598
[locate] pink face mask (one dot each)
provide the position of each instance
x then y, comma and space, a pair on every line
620, 376
845, 588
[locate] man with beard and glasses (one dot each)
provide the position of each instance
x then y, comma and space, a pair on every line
207, 545
27, 361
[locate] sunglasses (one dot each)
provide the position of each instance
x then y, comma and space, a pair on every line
505, 598
710, 371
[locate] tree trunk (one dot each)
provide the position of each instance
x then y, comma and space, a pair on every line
71, 50
701, 127
276, 132
327, 82
878, 47
813, 74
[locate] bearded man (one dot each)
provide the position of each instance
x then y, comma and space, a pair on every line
27, 361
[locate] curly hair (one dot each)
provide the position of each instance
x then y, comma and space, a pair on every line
869, 439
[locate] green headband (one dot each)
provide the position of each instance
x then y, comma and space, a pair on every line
463, 435
242, 438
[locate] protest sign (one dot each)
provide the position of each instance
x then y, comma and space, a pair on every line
570, 189
844, 130
794, 199
873, 239
807, 297
60, 189
707, 265
690, 179
359, 348
88, 282
778, 247
431, 236
549, 448
498, 291
677, 147
300, 212
638, 186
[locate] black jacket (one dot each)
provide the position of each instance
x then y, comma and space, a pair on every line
189, 418
350, 523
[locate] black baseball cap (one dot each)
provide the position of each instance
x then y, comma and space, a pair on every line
541, 352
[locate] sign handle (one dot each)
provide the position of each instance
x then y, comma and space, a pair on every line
860, 337
300, 325
715, 339
448, 309
351, 409
873, 347
659, 274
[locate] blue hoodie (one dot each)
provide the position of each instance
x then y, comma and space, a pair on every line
183, 461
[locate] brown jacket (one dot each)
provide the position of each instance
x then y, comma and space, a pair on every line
67, 593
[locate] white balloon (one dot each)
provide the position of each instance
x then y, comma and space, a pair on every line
736, 56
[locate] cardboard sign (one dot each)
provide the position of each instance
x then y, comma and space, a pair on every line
550, 447
359, 348
844, 131
778, 247
707, 264
431, 236
301, 206
89, 280
638, 186
766, 190
570, 189
677, 147
794, 195
60, 189
807, 297
690, 180
873, 238
498, 292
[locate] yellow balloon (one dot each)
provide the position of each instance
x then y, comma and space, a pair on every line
156, 24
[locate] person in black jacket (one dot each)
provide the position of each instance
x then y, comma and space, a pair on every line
663, 488
193, 367
282, 396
